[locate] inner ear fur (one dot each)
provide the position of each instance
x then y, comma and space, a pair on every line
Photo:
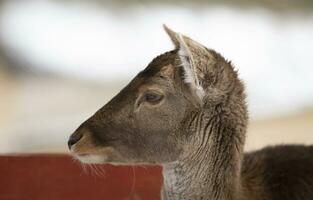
190, 53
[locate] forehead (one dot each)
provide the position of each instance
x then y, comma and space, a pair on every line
155, 66
150, 76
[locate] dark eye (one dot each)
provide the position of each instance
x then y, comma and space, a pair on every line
153, 97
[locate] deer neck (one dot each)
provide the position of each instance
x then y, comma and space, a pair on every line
210, 166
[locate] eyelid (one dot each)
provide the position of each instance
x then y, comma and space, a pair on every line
141, 98
153, 92
152, 97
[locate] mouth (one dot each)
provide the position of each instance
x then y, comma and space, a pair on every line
91, 158
91, 155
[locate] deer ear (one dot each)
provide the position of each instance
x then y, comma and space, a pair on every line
189, 51
173, 36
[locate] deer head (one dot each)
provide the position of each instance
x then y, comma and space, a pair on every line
153, 120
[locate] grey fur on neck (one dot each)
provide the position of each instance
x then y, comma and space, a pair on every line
210, 166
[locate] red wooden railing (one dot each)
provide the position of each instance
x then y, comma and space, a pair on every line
59, 177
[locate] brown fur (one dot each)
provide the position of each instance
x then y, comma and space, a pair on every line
187, 112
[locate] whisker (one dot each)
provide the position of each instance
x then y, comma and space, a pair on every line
133, 183
98, 173
80, 164
101, 170
94, 171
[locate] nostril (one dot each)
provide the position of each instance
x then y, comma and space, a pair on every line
74, 138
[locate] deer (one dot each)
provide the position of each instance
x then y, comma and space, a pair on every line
187, 112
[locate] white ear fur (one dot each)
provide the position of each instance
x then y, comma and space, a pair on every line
187, 60
188, 65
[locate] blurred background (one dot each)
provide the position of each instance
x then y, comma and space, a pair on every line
61, 60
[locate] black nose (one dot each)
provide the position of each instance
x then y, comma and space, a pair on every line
74, 138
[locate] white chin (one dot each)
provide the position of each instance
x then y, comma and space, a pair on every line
92, 159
